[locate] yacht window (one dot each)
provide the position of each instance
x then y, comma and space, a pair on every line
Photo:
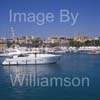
10, 57
22, 55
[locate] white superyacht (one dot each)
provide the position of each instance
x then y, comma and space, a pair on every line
31, 59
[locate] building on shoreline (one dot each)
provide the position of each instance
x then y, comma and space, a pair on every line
2, 44
82, 38
54, 41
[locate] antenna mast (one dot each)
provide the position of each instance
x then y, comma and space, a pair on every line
12, 32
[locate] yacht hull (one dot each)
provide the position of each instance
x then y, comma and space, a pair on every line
31, 60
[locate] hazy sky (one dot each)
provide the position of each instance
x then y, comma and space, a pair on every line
88, 21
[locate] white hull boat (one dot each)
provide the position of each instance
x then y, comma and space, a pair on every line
36, 58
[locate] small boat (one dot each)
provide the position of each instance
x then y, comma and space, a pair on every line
57, 52
96, 52
35, 58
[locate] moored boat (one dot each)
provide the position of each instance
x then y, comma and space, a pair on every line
96, 52
35, 58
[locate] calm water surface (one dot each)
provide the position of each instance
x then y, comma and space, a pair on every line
71, 65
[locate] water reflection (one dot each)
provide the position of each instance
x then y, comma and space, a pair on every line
41, 70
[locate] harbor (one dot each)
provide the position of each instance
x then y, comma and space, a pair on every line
35, 50
25, 50
72, 65
49, 70
49, 50
24, 55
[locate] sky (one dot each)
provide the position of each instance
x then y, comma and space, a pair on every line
88, 21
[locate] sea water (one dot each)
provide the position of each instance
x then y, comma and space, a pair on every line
35, 84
